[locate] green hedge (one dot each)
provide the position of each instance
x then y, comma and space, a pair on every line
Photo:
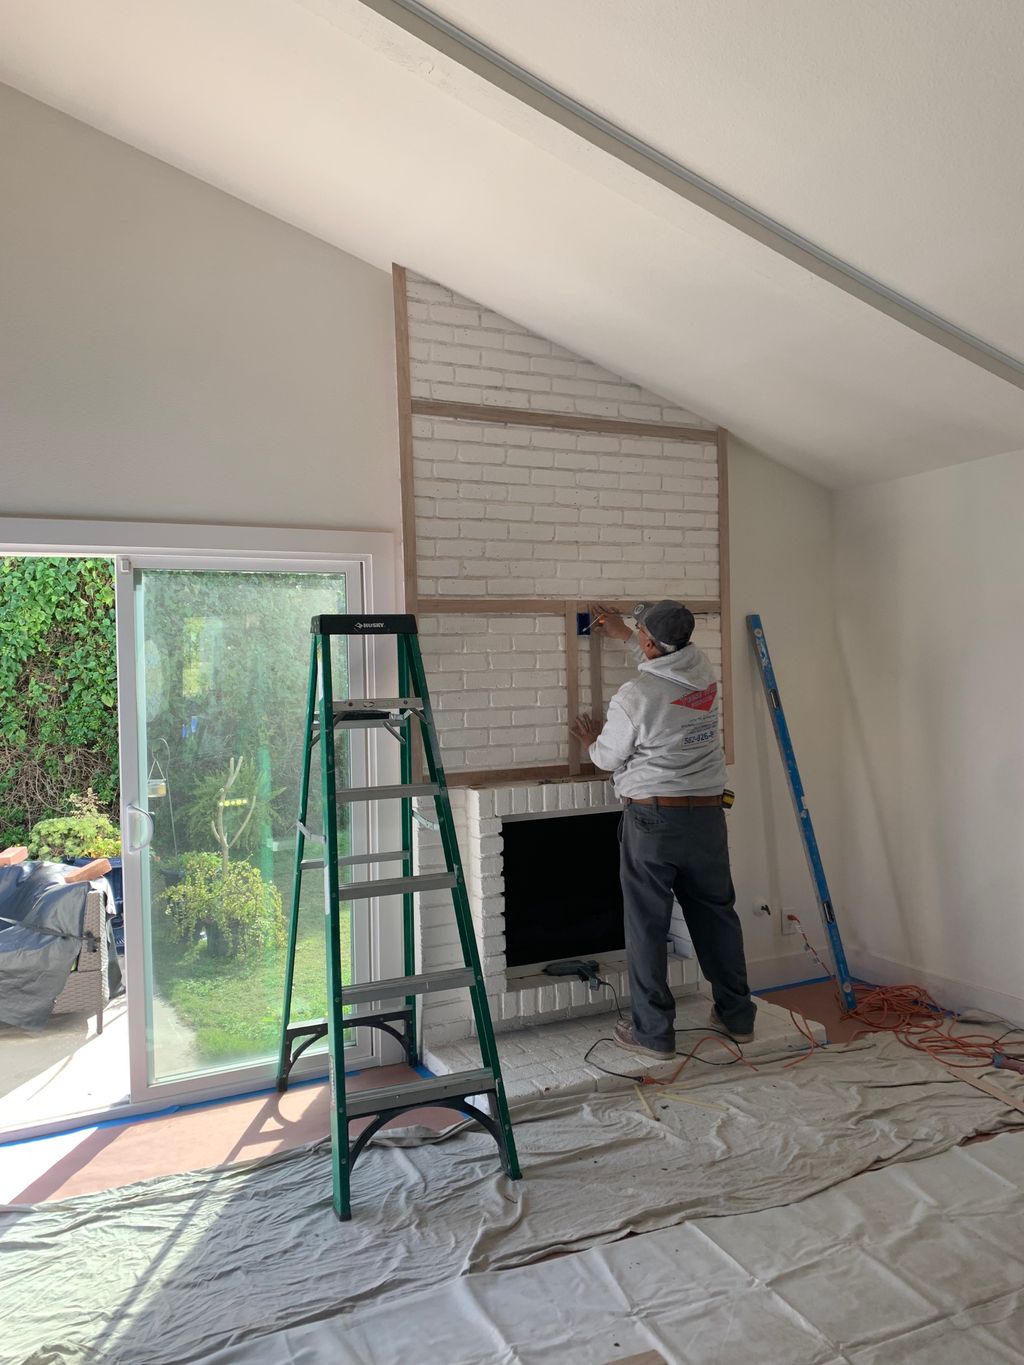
58, 689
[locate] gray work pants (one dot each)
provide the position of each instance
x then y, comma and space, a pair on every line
680, 850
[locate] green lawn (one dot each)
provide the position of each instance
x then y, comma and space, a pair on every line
233, 1007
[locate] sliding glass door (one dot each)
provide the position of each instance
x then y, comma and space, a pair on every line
212, 718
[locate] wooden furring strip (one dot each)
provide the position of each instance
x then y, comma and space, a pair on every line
403, 376
596, 679
985, 1086
545, 772
572, 683
537, 606
560, 421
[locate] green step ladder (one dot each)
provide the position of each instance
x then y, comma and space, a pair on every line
398, 716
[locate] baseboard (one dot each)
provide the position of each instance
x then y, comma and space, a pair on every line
954, 995
783, 970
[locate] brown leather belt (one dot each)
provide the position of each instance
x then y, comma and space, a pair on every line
672, 800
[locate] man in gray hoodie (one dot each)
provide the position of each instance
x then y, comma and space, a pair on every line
662, 744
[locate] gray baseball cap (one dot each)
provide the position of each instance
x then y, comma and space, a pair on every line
668, 623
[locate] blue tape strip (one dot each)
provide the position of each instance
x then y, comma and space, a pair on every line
184, 1109
789, 985
171, 1109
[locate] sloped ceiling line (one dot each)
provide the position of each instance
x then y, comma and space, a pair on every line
424, 24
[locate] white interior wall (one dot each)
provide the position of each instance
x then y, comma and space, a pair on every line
929, 573
169, 353
781, 543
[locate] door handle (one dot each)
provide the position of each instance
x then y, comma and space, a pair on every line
150, 822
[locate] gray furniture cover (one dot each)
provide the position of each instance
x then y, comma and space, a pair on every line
42, 930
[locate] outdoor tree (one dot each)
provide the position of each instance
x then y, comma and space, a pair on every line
225, 802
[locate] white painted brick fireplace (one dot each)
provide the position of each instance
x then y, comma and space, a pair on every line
525, 511
517, 997
520, 511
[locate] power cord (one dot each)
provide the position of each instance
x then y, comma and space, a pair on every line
911, 1014
642, 1077
615, 995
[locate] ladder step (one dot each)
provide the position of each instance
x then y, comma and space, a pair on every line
388, 793
377, 722
371, 991
317, 1027
376, 706
458, 1085
350, 860
371, 713
397, 886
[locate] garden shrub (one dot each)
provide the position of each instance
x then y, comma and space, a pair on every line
238, 911
86, 833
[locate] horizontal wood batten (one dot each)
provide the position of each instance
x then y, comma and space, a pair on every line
553, 772
561, 421
538, 606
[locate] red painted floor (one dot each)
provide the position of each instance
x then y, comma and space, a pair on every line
238, 1130
820, 1002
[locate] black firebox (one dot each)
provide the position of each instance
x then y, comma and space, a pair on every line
562, 892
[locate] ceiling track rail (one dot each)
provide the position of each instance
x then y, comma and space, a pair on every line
423, 23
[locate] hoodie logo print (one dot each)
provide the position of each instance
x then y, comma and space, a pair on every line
699, 701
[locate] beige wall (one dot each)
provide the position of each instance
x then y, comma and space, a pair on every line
781, 537
929, 573
169, 353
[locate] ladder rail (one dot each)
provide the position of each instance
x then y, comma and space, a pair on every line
408, 901
812, 853
463, 915
283, 1064
332, 931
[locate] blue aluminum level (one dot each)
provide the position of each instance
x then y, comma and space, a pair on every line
803, 815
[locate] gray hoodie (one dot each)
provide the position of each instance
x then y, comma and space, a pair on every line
661, 737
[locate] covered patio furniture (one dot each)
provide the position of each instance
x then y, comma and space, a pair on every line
56, 945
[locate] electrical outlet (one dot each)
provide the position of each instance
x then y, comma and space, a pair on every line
762, 909
787, 925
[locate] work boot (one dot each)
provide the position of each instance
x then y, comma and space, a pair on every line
623, 1035
717, 1022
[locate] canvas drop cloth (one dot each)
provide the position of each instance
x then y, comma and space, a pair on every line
172, 1269
917, 1264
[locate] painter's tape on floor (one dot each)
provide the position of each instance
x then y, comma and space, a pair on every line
171, 1269
918, 1264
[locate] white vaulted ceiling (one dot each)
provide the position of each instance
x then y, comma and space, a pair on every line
888, 134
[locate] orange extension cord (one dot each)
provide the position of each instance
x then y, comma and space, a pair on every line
908, 1012
913, 1016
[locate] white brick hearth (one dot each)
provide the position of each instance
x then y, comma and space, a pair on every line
553, 1059
517, 998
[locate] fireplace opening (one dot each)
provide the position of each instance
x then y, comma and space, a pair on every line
562, 892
